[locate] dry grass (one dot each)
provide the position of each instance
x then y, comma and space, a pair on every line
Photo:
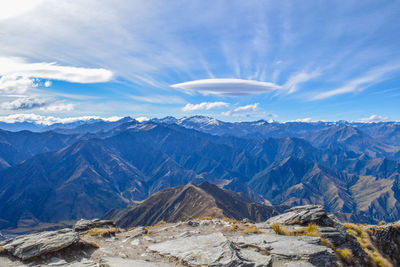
345, 254
361, 233
252, 229
381, 223
280, 230
327, 243
234, 227
104, 231
158, 224
310, 230
2, 249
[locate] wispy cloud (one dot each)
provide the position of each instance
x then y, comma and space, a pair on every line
247, 108
204, 106
232, 87
359, 84
374, 118
158, 99
295, 80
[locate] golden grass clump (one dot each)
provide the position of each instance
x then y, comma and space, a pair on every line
381, 223
280, 230
234, 227
252, 229
345, 254
104, 231
312, 230
361, 233
2, 249
158, 224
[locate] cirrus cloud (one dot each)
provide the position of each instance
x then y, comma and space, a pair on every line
232, 87
204, 106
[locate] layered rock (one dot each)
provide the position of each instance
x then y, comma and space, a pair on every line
29, 246
85, 225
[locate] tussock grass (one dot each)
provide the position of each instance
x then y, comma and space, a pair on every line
360, 232
310, 230
252, 229
280, 230
2, 249
229, 220
345, 254
158, 224
104, 231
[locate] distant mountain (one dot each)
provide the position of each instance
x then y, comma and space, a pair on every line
91, 168
189, 202
349, 138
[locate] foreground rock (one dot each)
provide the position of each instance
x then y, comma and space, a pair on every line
30, 246
85, 225
304, 215
214, 242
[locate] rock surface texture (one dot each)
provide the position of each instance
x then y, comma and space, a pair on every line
34, 245
85, 225
213, 242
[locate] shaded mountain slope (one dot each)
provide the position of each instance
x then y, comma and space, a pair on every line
190, 202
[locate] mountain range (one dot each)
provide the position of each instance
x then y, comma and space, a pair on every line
85, 169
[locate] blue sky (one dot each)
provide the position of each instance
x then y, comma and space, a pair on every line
233, 60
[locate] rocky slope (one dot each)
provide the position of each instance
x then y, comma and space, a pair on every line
303, 236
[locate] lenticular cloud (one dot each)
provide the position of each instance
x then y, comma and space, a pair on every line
232, 87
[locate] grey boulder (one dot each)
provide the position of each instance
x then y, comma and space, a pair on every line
85, 225
304, 215
29, 246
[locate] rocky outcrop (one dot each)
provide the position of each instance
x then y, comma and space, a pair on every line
386, 239
85, 225
29, 246
304, 215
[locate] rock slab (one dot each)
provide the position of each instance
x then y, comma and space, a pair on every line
29, 246
85, 225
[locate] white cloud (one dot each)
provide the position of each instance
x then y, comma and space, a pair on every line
233, 87
11, 84
49, 120
142, 119
18, 67
58, 106
24, 103
247, 108
204, 106
17, 7
374, 118
47, 83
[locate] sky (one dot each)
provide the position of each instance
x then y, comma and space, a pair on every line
231, 60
